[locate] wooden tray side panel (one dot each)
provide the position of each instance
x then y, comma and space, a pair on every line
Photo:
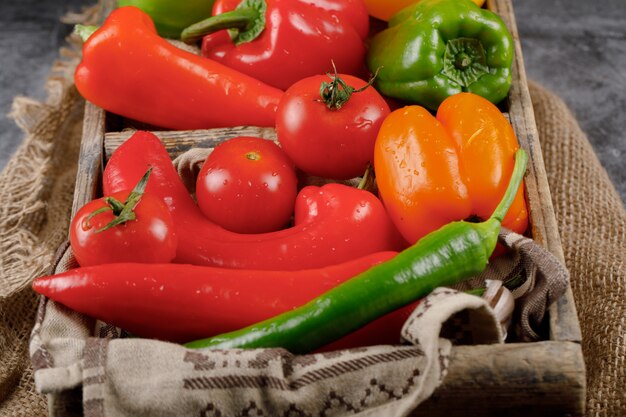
91, 159
564, 323
179, 141
90, 162
543, 379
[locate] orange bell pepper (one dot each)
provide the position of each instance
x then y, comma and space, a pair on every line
455, 166
384, 9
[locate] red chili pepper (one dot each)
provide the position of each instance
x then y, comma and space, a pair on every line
129, 70
333, 223
283, 41
181, 303
385, 330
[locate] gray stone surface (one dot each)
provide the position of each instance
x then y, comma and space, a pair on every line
577, 48
30, 36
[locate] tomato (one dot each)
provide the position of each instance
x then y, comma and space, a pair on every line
148, 238
247, 185
335, 143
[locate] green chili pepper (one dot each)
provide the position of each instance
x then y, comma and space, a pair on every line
172, 16
437, 48
455, 252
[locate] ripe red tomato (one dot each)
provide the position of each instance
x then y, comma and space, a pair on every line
149, 238
330, 143
247, 185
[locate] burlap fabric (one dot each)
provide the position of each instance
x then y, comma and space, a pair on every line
36, 190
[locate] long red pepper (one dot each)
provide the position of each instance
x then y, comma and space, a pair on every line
333, 223
129, 70
181, 303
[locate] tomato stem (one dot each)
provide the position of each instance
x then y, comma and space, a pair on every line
253, 156
116, 205
123, 212
367, 181
337, 93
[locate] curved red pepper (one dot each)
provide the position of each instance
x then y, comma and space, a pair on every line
297, 38
129, 70
181, 303
333, 223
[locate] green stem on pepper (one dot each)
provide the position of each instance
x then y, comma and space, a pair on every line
85, 31
245, 23
465, 61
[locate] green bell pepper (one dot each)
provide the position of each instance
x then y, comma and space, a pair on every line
172, 16
438, 48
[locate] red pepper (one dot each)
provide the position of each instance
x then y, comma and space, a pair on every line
129, 70
283, 41
181, 303
333, 223
385, 330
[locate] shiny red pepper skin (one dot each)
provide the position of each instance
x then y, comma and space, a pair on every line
333, 223
129, 70
300, 39
384, 330
180, 303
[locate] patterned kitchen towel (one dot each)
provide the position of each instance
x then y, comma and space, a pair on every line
138, 377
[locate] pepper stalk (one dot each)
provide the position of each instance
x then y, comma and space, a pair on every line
244, 24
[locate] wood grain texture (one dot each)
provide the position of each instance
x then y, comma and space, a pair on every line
540, 379
179, 141
564, 323
90, 163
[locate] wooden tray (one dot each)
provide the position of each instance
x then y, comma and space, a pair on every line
544, 378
